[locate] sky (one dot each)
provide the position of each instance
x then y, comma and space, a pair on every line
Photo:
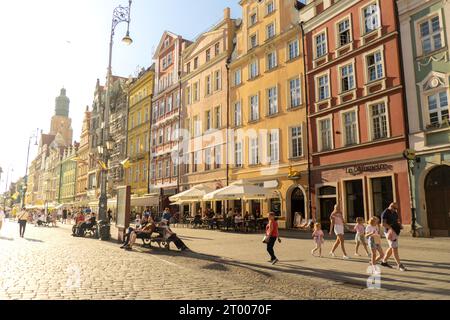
51, 44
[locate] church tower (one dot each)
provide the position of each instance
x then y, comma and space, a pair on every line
61, 123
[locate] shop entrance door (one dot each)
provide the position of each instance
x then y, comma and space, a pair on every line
297, 205
437, 188
327, 201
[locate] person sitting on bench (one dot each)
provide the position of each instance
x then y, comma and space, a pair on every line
79, 219
171, 236
144, 233
86, 225
144, 222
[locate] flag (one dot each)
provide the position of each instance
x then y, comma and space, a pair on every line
126, 163
103, 165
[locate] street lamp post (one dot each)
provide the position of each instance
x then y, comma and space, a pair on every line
120, 14
25, 180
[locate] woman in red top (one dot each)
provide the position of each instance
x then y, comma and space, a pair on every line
272, 234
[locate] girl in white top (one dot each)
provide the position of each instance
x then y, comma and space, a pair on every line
337, 224
374, 239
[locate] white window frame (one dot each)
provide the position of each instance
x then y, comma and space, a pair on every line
291, 140
316, 80
273, 140
271, 27
354, 110
251, 108
419, 40
253, 66
272, 101
236, 122
297, 51
370, 119
338, 33
271, 60
238, 77
253, 151
439, 108
366, 66
363, 18
290, 96
319, 133
238, 155
353, 75
325, 43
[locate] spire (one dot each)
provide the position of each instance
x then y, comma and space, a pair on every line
62, 104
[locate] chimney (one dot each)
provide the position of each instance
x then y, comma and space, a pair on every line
226, 13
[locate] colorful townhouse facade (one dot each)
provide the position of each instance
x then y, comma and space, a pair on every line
268, 143
165, 124
83, 161
205, 108
138, 151
68, 176
357, 120
425, 27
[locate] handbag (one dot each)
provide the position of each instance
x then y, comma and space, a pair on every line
266, 239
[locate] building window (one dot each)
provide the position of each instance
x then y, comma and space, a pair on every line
438, 108
177, 100
270, 31
161, 137
188, 68
325, 135
294, 93
152, 171
371, 18
379, 121
238, 154
270, 7
431, 35
271, 60
208, 85
344, 32
351, 128
274, 147
254, 108
144, 171
196, 159
272, 95
196, 91
160, 164
323, 87
254, 151
237, 114
207, 159
197, 126
293, 49
187, 163
167, 169
374, 66
321, 45
237, 77
347, 78
208, 55
253, 19
169, 104
162, 108
175, 167
208, 120
217, 49
195, 63
217, 80
382, 194
354, 198
217, 118
296, 142
217, 157
254, 69
253, 41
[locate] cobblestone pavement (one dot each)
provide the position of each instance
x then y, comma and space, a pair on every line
50, 264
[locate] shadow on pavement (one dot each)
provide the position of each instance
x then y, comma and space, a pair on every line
6, 239
34, 240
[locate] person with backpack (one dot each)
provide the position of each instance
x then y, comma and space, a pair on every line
23, 219
390, 220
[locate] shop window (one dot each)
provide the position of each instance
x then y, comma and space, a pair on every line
354, 198
382, 194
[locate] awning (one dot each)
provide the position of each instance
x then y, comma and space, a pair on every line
145, 201
194, 194
241, 190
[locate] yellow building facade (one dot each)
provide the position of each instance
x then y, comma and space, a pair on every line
268, 145
140, 101
205, 104
81, 198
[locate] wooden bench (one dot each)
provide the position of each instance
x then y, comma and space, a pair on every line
157, 237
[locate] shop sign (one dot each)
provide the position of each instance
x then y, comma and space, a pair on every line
356, 170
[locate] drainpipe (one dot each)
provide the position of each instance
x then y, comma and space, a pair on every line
410, 163
305, 81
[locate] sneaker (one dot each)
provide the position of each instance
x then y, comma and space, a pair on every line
128, 248
385, 264
401, 267
346, 257
332, 254
274, 262
357, 255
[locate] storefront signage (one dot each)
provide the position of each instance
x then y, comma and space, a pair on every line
356, 170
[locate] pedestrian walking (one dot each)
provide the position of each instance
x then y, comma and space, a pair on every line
23, 219
392, 228
360, 237
64, 216
318, 239
374, 240
337, 225
271, 237
2, 219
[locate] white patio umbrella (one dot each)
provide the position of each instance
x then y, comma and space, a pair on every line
241, 190
194, 194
